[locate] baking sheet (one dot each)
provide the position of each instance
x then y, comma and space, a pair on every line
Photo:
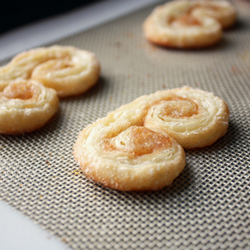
207, 207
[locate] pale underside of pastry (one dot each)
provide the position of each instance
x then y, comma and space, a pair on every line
189, 24
130, 149
66, 69
26, 105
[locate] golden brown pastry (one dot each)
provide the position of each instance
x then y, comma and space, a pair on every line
26, 105
189, 24
68, 70
132, 148
193, 117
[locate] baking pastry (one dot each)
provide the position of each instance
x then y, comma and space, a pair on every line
121, 153
132, 148
193, 117
68, 70
26, 105
189, 24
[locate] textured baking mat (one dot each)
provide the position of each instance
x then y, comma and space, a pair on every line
207, 207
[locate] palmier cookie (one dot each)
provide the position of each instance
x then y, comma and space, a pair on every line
119, 152
189, 24
193, 117
68, 70
26, 105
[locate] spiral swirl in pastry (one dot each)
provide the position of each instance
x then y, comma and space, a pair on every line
136, 147
68, 70
26, 105
193, 117
189, 24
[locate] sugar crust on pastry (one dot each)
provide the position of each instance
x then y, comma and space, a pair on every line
189, 24
26, 105
68, 70
136, 147
193, 117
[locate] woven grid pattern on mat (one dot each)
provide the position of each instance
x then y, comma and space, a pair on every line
207, 206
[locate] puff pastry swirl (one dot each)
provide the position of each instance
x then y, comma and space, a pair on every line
68, 70
136, 147
193, 117
26, 105
189, 24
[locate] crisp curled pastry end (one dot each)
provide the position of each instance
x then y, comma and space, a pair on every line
189, 24
26, 105
193, 117
66, 69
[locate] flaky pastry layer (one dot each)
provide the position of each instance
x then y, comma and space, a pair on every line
193, 117
189, 24
68, 70
26, 105
136, 147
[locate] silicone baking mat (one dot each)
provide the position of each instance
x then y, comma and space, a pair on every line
207, 206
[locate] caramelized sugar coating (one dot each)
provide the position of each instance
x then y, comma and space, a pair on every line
26, 105
193, 117
189, 24
136, 147
68, 70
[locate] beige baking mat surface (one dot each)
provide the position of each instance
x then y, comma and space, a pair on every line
207, 207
